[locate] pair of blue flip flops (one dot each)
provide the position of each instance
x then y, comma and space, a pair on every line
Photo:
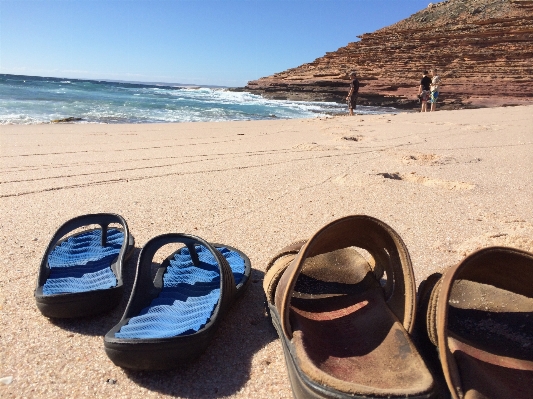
170, 318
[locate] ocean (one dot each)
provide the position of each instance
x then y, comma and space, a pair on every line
36, 100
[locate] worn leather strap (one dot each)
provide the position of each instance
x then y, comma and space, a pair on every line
291, 249
276, 267
484, 266
383, 244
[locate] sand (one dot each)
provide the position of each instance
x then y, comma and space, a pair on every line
449, 183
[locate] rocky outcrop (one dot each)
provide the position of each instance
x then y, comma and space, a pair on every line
483, 50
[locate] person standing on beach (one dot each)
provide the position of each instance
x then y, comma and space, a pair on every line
423, 91
435, 84
351, 99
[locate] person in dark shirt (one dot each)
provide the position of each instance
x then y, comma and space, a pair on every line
423, 91
351, 99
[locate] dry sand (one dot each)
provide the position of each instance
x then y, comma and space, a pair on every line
448, 182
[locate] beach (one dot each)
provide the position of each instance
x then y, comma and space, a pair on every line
448, 182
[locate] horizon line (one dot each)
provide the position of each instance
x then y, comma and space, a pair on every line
144, 83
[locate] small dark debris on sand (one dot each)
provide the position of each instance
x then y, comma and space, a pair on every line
69, 119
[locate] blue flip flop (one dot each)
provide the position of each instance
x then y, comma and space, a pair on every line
171, 319
81, 274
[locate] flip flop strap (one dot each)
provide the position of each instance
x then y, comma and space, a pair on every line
102, 219
380, 240
143, 278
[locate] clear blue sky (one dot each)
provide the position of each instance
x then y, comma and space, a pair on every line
218, 42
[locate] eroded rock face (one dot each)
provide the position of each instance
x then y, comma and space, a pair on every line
483, 50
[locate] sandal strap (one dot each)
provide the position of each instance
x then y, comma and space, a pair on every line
483, 266
380, 240
276, 267
291, 249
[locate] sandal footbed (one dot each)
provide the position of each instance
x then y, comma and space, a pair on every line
353, 343
349, 305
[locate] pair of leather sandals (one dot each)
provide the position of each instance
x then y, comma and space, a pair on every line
344, 305
174, 309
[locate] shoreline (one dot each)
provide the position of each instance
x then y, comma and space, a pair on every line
448, 182
404, 99
111, 102
318, 114
391, 108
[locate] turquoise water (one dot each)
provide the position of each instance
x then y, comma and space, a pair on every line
34, 100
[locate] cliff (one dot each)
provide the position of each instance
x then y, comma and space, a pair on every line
483, 50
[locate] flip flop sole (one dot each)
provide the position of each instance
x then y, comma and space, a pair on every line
80, 276
153, 348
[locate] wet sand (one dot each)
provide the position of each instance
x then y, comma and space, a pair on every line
448, 182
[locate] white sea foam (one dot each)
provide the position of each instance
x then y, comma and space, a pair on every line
40, 101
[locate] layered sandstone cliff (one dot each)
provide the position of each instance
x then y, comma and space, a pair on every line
483, 50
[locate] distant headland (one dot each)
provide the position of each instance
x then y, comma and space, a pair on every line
483, 50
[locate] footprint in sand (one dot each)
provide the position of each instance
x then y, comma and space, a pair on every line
478, 127
516, 239
344, 132
427, 159
350, 180
313, 147
427, 181
434, 159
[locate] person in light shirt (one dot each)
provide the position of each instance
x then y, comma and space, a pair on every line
434, 87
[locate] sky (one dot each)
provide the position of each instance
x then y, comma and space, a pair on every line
212, 42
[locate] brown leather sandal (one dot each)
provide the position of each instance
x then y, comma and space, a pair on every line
344, 334
480, 316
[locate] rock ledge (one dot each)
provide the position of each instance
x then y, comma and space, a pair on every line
483, 50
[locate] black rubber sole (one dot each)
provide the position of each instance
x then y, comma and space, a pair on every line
158, 355
82, 304
162, 354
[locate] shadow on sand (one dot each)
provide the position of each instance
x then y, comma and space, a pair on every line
225, 366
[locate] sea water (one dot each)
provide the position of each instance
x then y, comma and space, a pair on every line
35, 100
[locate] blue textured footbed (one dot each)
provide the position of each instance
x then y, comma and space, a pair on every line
81, 264
188, 297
